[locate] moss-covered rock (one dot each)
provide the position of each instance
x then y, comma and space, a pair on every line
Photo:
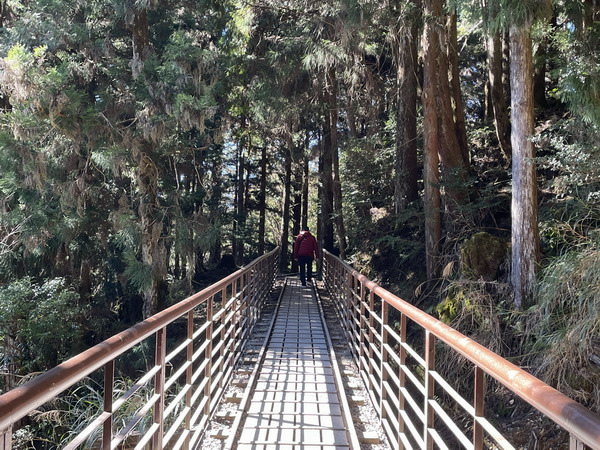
482, 255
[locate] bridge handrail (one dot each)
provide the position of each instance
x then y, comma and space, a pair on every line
22, 400
580, 422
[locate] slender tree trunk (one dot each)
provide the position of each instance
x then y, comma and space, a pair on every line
262, 203
405, 180
153, 250
285, 226
214, 203
297, 204
506, 66
238, 240
351, 117
454, 164
524, 210
459, 107
141, 41
337, 184
498, 100
539, 77
305, 180
152, 246
326, 173
431, 130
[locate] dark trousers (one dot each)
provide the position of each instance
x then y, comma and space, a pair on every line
305, 263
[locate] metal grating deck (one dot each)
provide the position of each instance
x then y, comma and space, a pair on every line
295, 403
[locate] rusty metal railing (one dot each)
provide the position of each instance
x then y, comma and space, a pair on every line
196, 345
407, 390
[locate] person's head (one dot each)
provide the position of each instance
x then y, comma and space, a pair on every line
304, 229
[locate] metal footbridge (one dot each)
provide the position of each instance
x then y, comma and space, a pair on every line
250, 363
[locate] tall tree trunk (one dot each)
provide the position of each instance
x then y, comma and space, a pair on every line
305, 180
337, 184
405, 180
524, 210
539, 77
499, 104
454, 164
459, 107
152, 246
431, 130
326, 174
262, 203
506, 66
238, 229
153, 250
297, 203
214, 203
285, 222
141, 41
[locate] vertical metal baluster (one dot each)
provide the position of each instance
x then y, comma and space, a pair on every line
575, 444
478, 403
208, 354
402, 375
223, 337
109, 383
429, 388
364, 340
188, 378
371, 339
384, 358
159, 386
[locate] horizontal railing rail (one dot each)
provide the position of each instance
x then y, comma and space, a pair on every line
179, 390
411, 396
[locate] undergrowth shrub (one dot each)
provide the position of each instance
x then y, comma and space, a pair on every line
563, 327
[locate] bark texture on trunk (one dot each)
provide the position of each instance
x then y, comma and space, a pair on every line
262, 201
405, 180
154, 254
454, 163
460, 124
524, 208
238, 223
337, 184
431, 130
285, 222
497, 98
326, 187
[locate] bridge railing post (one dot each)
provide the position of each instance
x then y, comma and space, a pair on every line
189, 373
402, 376
208, 356
159, 386
384, 360
428, 426
478, 403
109, 383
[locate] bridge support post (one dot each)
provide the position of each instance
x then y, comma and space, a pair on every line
478, 403
429, 389
6, 439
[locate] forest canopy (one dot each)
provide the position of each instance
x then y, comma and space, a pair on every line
449, 149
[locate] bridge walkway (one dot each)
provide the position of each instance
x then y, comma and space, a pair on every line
298, 399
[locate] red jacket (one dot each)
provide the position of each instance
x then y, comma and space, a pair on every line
306, 245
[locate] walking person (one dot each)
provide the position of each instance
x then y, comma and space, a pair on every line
306, 250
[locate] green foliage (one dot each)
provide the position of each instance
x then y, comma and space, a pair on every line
44, 319
579, 72
564, 324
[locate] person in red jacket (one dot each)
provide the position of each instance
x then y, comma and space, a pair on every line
306, 250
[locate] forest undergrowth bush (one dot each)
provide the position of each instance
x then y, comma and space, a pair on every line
563, 326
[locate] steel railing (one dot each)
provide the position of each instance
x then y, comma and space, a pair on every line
405, 387
181, 387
